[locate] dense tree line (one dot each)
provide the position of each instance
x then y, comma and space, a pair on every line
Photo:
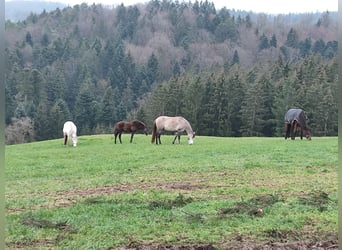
230, 73
236, 102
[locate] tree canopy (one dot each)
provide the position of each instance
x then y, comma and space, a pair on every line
230, 73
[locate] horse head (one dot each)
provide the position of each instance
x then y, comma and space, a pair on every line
74, 139
145, 131
140, 126
308, 135
191, 137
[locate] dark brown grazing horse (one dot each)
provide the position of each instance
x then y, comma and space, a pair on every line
128, 127
294, 119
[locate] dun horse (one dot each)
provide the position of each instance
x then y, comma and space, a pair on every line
70, 130
128, 127
176, 124
294, 119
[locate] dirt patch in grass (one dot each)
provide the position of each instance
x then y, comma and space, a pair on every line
276, 239
252, 206
301, 244
301, 240
316, 198
286, 241
35, 244
169, 247
70, 197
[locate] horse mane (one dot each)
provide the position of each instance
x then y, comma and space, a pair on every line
138, 123
189, 129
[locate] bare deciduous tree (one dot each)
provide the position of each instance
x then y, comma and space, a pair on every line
20, 131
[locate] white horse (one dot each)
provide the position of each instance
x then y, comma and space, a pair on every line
70, 130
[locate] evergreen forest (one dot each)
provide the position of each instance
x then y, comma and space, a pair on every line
230, 73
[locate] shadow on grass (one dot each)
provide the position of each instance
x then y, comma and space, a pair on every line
317, 199
43, 223
179, 201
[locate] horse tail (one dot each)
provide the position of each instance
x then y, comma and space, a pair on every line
65, 139
154, 132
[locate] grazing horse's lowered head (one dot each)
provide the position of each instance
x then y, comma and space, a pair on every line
176, 124
70, 130
294, 119
128, 127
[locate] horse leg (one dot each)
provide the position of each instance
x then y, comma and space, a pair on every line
115, 135
120, 138
158, 138
301, 133
287, 130
174, 139
293, 130
132, 137
179, 135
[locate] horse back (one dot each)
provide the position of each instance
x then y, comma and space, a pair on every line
138, 125
159, 122
69, 128
119, 126
172, 123
296, 115
128, 127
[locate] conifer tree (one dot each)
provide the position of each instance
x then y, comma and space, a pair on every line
107, 115
236, 95
236, 58
58, 115
292, 38
84, 108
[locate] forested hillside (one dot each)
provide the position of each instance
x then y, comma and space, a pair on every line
229, 73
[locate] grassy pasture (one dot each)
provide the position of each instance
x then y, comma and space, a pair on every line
218, 192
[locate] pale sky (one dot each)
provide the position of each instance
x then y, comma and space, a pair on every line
266, 6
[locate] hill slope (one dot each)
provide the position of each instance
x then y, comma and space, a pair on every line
20, 10
98, 65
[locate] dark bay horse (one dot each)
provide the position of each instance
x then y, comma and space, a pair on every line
176, 124
294, 119
128, 127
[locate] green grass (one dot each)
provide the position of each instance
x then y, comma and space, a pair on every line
100, 195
